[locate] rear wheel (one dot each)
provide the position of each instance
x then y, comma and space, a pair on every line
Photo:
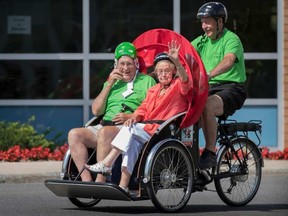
241, 188
72, 173
171, 177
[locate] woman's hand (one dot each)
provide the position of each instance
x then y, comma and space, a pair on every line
131, 120
173, 52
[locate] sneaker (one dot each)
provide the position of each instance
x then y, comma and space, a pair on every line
99, 168
126, 189
207, 159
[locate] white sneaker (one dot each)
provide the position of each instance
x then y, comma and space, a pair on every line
126, 189
99, 168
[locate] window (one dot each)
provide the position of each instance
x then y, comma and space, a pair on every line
112, 22
40, 79
40, 26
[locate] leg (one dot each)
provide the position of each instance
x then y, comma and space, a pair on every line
125, 179
104, 167
105, 137
79, 140
130, 145
131, 155
214, 107
123, 140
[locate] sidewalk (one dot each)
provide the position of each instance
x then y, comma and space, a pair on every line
39, 171
30, 171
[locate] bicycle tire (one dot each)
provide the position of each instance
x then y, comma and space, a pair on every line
72, 172
239, 190
172, 177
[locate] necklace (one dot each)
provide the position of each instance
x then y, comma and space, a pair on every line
163, 90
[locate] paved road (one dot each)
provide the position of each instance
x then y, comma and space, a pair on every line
34, 199
38, 171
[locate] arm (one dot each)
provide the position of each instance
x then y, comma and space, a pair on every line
174, 56
138, 114
133, 118
226, 63
99, 104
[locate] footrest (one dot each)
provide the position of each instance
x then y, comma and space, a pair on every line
79, 189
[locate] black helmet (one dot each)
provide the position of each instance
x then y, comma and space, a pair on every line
160, 57
213, 9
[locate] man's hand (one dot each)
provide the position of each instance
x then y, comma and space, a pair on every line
120, 118
114, 76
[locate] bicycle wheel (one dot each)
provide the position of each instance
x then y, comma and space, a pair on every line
241, 188
171, 177
72, 172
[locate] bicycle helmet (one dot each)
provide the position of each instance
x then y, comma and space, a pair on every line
161, 56
213, 9
125, 48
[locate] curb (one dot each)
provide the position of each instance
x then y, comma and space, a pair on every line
28, 178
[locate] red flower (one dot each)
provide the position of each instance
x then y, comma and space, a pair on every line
15, 153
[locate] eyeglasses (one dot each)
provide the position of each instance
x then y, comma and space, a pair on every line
161, 72
127, 64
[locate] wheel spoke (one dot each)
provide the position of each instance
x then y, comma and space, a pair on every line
241, 188
172, 178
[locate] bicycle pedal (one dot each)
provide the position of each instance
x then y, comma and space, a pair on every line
200, 188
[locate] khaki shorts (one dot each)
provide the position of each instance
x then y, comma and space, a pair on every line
96, 128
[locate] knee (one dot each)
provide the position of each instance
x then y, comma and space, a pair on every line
207, 110
107, 134
74, 136
102, 133
210, 108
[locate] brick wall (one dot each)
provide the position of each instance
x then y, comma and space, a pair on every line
285, 73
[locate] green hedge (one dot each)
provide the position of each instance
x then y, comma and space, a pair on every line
22, 134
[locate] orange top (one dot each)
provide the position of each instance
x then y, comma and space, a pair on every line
155, 107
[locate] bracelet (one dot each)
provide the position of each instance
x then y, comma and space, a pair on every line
209, 76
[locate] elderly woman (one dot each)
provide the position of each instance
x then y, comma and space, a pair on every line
164, 100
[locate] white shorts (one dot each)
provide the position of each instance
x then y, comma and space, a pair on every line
130, 140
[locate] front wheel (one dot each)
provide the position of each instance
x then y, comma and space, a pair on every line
72, 173
172, 176
245, 168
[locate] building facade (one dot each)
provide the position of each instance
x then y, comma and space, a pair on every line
55, 55
285, 74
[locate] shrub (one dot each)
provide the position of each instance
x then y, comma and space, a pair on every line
24, 135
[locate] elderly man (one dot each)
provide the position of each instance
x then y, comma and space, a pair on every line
125, 85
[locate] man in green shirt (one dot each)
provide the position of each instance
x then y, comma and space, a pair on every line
122, 93
223, 56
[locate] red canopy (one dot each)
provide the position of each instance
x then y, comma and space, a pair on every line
154, 41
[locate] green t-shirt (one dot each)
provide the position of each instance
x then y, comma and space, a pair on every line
212, 53
115, 99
